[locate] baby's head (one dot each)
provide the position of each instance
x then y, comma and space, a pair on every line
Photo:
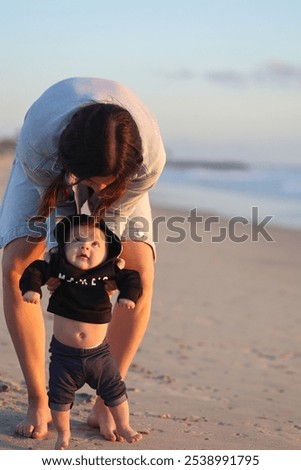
86, 246
83, 240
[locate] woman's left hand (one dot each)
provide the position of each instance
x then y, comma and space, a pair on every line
52, 284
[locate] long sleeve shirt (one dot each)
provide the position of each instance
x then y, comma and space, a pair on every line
82, 294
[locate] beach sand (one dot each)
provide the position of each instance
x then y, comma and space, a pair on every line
219, 367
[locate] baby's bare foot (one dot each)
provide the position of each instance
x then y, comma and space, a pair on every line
62, 442
35, 425
130, 435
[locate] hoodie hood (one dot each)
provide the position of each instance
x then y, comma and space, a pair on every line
62, 229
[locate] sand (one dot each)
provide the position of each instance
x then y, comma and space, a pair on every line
219, 367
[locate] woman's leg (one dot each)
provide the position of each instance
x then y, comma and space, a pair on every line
26, 327
127, 328
138, 256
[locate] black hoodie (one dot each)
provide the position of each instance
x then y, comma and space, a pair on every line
82, 294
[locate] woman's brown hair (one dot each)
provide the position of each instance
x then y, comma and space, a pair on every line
100, 140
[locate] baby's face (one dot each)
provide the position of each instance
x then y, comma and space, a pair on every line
86, 247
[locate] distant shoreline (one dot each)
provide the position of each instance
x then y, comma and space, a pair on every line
208, 164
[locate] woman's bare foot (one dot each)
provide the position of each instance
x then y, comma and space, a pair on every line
62, 442
35, 425
101, 418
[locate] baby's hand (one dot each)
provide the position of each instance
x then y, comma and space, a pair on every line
126, 303
31, 297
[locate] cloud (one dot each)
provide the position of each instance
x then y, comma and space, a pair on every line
271, 73
279, 72
226, 77
274, 72
180, 74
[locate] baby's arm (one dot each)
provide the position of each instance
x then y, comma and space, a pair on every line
31, 297
32, 279
130, 287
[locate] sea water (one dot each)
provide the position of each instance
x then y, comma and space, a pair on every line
233, 192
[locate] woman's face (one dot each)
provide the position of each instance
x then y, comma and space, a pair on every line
97, 183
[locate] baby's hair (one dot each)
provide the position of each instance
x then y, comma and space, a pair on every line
64, 227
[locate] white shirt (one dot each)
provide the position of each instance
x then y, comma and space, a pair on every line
37, 147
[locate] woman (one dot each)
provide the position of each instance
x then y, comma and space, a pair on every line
84, 140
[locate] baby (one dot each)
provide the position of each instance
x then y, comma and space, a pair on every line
87, 268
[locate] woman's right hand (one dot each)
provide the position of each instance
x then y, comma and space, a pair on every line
52, 284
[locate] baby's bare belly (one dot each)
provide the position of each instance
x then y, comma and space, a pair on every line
78, 334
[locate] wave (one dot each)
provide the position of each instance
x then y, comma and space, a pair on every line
231, 192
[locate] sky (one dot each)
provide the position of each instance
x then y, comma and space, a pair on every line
222, 77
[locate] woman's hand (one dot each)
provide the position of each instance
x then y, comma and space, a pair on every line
48, 254
120, 263
52, 284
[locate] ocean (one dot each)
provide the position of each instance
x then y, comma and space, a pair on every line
232, 189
